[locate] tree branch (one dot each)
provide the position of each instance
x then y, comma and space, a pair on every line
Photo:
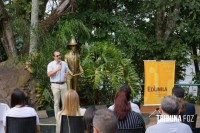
49, 22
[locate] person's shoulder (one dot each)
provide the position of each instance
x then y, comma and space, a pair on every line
111, 107
133, 113
63, 62
82, 111
29, 108
4, 105
152, 129
10, 111
135, 107
51, 63
190, 105
184, 127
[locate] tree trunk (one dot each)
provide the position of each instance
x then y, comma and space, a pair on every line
8, 39
166, 23
34, 25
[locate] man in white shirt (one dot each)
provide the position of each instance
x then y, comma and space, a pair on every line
3, 108
57, 71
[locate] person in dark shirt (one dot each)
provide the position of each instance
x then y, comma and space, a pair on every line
188, 109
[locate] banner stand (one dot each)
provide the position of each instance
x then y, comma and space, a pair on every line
159, 80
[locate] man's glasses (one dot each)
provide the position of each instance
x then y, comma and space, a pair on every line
58, 55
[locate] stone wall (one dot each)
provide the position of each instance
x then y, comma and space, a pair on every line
13, 75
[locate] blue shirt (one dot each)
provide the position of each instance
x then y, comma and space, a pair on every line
169, 127
60, 75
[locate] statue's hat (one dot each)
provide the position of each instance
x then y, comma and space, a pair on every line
72, 42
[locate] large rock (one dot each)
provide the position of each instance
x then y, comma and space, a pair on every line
13, 75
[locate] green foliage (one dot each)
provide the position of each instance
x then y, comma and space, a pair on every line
67, 29
20, 28
117, 35
192, 99
49, 44
105, 70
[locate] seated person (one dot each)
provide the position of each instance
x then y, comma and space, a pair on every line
3, 108
71, 107
19, 108
88, 119
186, 108
104, 121
127, 119
134, 107
169, 122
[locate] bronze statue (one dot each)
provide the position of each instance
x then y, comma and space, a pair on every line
73, 60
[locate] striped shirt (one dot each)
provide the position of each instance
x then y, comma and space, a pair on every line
132, 120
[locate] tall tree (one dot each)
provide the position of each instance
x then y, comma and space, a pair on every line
45, 24
8, 39
34, 27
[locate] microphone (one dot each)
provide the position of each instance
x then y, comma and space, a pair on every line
157, 110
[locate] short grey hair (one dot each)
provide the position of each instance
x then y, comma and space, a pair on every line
105, 121
170, 105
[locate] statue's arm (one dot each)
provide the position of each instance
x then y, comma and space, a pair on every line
81, 69
66, 60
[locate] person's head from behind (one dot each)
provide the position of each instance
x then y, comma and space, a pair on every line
104, 121
18, 98
122, 105
71, 105
126, 89
88, 119
178, 92
170, 105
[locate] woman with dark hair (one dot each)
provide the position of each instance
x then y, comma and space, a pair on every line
127, 89
19, 108
127, 119
88, 119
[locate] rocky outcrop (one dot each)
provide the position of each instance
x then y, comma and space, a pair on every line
13, 75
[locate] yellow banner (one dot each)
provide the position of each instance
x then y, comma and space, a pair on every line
159, 80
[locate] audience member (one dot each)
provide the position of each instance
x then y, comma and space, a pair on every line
104, 121
127, 89
71, 107
186, 108
169, 122
88, 119
126, 117
3, 108
19, 108
180, 93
